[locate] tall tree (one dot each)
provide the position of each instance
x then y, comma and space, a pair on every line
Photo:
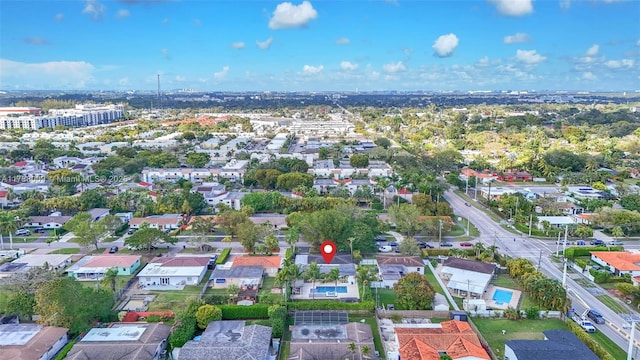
409, 246
407, 217
414, 292
146, 237
312, 273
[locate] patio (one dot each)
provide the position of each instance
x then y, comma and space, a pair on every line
304, 291
513, 303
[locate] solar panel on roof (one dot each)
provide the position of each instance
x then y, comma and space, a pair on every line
320, 317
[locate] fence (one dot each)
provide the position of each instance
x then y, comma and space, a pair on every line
426, 314
543, 314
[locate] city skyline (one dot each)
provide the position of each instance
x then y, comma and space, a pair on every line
320, 45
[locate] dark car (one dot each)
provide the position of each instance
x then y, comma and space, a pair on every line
466, 244
597, 242
381, 238
113, 250
446, 244
596, 317
39, 231
393, 244
424, 245
467, 204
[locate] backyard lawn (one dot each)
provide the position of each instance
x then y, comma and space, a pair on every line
491, 330
386, 296
504, 280
173, 300
66, 251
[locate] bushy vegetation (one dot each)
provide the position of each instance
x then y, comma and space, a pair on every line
574, 252
235, 312
331, 305
224, 255
589, 341
186, 323
545, 292
277, 319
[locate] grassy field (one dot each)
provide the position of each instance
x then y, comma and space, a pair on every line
491, 330
432, 279
609, 345
67, 251
173, 300
461, 229
386, 296
612, 304
377, 340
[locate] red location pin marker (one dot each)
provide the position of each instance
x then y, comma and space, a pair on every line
328, 250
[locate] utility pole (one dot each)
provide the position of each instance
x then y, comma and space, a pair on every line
466, 189
475, 190
564, 257
440, 231
540, 260
530, 223
467, 226
558, 245
632, 320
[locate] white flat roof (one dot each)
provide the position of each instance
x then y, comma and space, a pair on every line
156, 269
12, 334
33, 260
122, 333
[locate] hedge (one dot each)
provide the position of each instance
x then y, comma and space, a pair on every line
223, 256
183, 332
65, 350
236, 312
572, 252
589, 341
331, 305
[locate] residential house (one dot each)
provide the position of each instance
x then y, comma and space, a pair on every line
31, 341
311, 341
4, 198
232, 339
47, 222
495, 192
557, 344
555, 221
93, 268
62, 162
215, 194
245, 277
453, 338
347, 286
583, 192
276, 221
161, 222
618, 262
462, 276
515, 176
125, 217
55, 262
271, 264
392, 268
98, 214
483, 177
169, 273
122, 341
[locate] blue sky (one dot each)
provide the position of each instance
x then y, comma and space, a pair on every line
317, 45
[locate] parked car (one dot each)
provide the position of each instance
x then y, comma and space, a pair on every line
113, 250
23, 232
595, 316
424, 245
381, 238
466, 244
394, 244
581, 242
386, 248
446, 244
39, 230
597, 242
131, 231
391, 307
615, 242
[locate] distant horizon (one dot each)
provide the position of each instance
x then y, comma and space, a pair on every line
311, 45
352, 92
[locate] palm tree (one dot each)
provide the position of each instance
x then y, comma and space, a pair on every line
232, 291
352, 347
312, 272
110, 278
365, 350
333, 275
9, 224
493, 249
478, 247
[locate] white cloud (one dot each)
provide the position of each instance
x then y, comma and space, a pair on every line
346, 41
393, 68
312, 70
288, 16
565, 4
94, 9
264, 45
123, 13
517, 38
59, 17
221, 74
47, 75
238, 45
484, 61
617, 64
348, 66
165, 53
513, 7
445, 45
593, 51
529, 56
589, 76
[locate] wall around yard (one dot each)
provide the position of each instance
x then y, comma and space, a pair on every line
426, 314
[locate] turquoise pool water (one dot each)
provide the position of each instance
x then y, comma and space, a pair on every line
325, 289
502, 296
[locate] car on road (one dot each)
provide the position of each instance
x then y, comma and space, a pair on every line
597, 242
466, 244
386, 248
595, 316
424, 245
113, 250
23, 232
467, 204
38, 231
446, 244
581, 242
616, 242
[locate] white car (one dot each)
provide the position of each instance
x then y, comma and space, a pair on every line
386, 248
23, 232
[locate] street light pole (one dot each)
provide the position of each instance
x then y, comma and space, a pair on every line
530, 223
564, 257
440, 231
632, 319
467, 226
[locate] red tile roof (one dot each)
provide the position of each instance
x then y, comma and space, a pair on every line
20, 163
621, 260
145, 184
266, 261
453, 337
4, 193
404, 191
112, 261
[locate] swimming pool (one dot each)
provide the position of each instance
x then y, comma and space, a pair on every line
502, 296
326, 289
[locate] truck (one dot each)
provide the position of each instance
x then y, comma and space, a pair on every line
583, 321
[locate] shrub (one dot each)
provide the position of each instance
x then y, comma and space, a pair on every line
581, 263
207, 314
512, 314
154, 318
183, 332
532, 312
65, 350
331, 305
216, 299
235, 312
288, 254
277, 319
223, 256
589, 341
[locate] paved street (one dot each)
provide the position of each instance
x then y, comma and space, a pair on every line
538, 252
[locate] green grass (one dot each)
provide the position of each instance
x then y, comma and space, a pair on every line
386, 296
66, 251
434, 282
491, 330
461, 228
285, 347
173, 300
612, 304
268, 283
377, 340
612, 348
